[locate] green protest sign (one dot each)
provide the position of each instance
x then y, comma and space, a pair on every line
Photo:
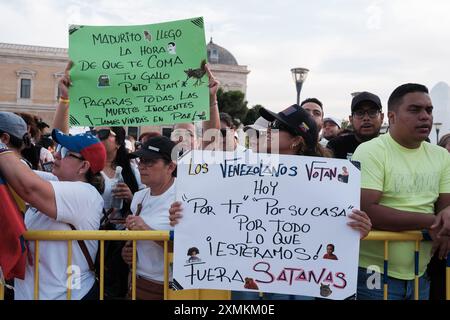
138, 75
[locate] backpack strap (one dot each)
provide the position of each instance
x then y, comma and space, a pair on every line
105, 219
85, 251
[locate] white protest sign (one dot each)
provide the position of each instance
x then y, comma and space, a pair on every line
276, 225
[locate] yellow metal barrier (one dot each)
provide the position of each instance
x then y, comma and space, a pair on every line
134, 236
415, 236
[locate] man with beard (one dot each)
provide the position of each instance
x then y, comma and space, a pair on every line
366, 120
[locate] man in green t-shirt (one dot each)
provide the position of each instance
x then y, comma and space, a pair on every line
405, 186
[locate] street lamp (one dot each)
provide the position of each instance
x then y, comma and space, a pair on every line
437, 126
299, 75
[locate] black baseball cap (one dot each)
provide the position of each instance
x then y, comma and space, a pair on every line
298, 120
159, 147
366, 97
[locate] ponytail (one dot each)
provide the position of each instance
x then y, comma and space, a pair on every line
96, 180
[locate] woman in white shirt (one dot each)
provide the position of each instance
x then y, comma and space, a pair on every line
69, 196
158, 173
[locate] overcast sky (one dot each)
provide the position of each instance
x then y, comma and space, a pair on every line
348, 45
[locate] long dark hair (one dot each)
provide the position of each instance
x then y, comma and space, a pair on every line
96, 180
317, 151
123, 160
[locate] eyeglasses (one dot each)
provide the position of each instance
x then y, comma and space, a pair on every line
102, 134
278, 125
372, 113
64, 152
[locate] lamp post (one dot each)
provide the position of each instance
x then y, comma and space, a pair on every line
437, 127
299, 75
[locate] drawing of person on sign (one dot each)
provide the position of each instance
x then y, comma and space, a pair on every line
343, 177
330, 255
103, 81
171, 48
193, 252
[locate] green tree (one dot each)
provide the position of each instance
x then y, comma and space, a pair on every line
233, 103
345, 123
252, 115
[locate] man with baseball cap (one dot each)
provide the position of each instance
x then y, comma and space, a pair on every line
366, 120
330, 130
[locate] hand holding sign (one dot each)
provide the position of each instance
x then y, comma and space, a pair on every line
139, 75
274, 225
361, 222
64, 82
175, 213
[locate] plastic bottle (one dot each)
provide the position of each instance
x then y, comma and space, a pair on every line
117, 203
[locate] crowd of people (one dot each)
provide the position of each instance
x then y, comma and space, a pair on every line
67, 182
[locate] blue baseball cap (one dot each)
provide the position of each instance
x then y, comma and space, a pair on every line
86, 144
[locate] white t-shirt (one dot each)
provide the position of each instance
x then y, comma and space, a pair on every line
79, 204
110, 182
155, 213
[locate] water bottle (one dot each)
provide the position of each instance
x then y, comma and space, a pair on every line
117, 203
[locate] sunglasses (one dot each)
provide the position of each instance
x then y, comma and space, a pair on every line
102, 134
64, 152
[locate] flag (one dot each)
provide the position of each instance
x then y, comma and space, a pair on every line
13, 251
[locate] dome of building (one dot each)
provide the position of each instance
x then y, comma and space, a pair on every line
219, 55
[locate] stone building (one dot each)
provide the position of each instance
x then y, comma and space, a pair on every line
231, 75
30, 75
29, 78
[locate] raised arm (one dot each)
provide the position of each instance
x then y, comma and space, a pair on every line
61, 118
214, 120
29, 186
